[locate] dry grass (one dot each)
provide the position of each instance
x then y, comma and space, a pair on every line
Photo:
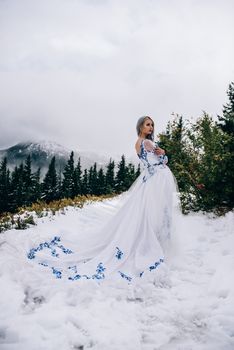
25, 216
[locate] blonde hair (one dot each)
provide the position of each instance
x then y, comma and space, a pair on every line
140, 123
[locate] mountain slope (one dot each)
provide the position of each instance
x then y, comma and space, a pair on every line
42, 153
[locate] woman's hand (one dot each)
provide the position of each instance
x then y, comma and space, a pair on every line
159, 151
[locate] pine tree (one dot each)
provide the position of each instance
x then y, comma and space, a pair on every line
94, 184
60, 183
121, 183
93, 179
130, 175
101, 182
68, 185
27, 181
226, 123
110, 177
90, 181
85, 183
78, 179
227, 119
17, 188
4, 186
13, 195
207, 164
50, 183
36, 186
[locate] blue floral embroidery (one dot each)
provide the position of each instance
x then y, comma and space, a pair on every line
57, 272
55, 240
125, 276
73, 268
76, 277
98, 275
52, 245
54, 253
151, 267
156, 264
151, 168
119, 253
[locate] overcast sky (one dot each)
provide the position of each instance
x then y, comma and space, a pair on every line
81, 72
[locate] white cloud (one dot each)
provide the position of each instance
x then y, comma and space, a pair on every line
82, 72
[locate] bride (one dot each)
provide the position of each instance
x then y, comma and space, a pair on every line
132, 244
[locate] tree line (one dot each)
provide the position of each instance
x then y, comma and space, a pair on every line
22, 187
201, 156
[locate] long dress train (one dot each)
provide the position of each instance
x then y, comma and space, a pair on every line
132, 244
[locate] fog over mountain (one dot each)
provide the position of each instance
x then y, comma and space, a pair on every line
41, 153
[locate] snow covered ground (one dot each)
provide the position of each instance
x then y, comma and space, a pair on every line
190, 307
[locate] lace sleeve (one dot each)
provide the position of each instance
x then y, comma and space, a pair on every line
149, 145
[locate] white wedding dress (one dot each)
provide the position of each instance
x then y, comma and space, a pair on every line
133, 242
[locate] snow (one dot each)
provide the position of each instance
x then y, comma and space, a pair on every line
50, 147
191, 306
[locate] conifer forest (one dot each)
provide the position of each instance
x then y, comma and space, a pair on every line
201, 156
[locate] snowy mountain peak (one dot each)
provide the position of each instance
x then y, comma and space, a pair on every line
49, 147
42, 151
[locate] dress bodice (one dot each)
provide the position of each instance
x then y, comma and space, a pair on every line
151, 161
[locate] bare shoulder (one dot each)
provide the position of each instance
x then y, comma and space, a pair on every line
138, 145
138, 141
